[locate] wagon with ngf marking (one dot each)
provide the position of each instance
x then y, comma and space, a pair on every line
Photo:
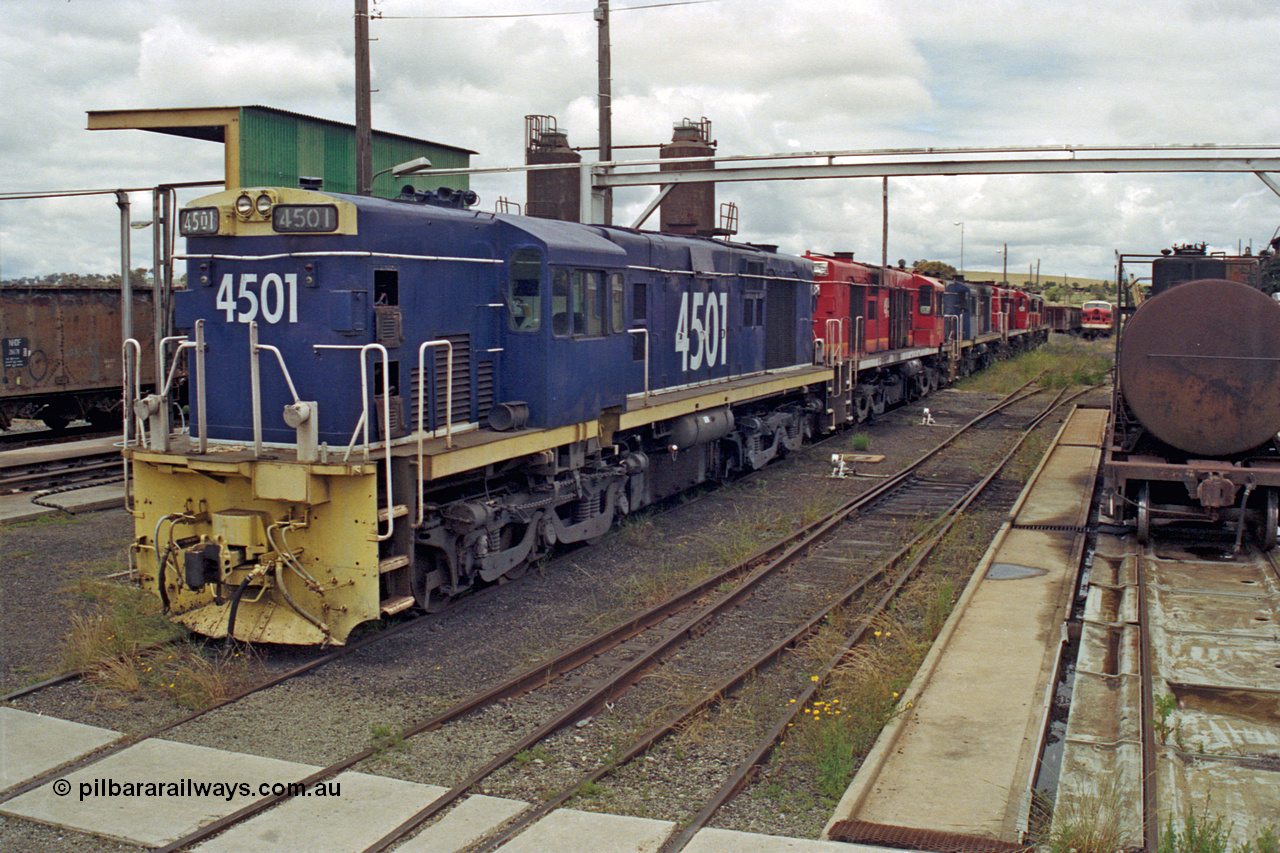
1197, 408
62, 352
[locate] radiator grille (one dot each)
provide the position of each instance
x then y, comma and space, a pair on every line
435, 392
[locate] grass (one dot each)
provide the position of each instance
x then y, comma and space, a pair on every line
125, 646
1092, 822
1203, 832
1061, 362
383, 738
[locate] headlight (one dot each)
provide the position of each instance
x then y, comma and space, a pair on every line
244, 207
263, 205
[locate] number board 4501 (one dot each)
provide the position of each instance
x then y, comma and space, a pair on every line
273, 299
701, 330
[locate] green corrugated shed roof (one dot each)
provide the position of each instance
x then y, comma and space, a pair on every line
274, 147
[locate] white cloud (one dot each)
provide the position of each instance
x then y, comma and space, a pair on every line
777, 76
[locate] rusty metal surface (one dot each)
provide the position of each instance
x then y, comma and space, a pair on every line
70, 338
1199, 365
1213, 663
908, 838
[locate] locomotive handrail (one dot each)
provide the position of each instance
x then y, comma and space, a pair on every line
129, 393
255, 381
131, 347
183, 344
202, 418
448, 412
951, 334
363, 423
640, 330
832, 348
347, 254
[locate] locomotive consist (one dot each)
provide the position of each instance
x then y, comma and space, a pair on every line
62, 357
395, 400
1197, 401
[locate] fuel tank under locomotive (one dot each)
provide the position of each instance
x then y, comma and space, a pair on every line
1199, 366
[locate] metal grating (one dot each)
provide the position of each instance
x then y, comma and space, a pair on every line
484, 389
1052, 528
909, 838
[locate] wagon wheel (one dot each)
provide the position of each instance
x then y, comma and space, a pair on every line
1144, 513
1271, 519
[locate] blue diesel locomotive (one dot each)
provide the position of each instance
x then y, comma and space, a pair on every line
393, 400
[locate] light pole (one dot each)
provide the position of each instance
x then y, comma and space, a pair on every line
1005, 276
961, 224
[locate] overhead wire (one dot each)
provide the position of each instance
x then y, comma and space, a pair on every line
614, 9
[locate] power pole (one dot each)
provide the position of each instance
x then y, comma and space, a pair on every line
364, 112
605, 101
884, 228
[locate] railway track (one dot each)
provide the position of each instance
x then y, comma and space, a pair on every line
914, 494
91, 468
1177, 671
696, 608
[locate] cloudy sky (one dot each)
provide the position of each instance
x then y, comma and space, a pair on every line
772, 75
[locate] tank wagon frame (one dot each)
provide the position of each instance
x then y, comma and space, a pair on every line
1196, 402
395, 400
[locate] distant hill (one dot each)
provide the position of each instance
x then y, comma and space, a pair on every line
1069, 289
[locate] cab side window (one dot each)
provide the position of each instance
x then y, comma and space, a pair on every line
524, 290
578, 299
926, 299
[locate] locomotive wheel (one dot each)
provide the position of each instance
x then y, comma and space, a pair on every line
101, 419
515, 572
1144, 513
428, 587
1270, 519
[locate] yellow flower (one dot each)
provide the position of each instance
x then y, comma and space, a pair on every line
813, 678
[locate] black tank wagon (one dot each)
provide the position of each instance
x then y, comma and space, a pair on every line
1197, 407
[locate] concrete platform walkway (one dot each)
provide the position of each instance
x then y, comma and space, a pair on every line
158, 791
